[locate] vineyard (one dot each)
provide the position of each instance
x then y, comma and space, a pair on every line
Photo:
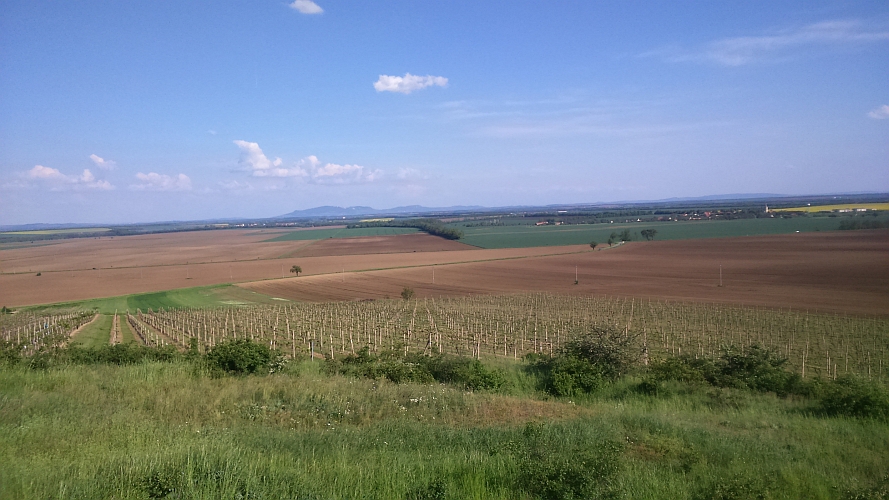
499, 326
33, 331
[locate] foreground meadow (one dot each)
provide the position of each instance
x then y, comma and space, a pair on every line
174, 429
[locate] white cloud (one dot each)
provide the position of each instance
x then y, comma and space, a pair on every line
306, 7
57, 181
408, 83
153, 181
332, 173
103, 163
256, 161
738, 51
309, 168
880, 113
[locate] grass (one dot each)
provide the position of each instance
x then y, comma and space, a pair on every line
204, 296
95, 334
159, 430
126, 333
533, 236
322, 234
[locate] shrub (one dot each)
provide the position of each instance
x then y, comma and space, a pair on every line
244, 357
552, 470
855, 397
388, 364
584, 364
467, 373
755, 368
407, 293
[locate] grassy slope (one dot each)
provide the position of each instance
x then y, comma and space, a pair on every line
321, 234
530, 236
205, 296
124, 432
95, 334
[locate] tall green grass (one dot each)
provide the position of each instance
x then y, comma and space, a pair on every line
157, 430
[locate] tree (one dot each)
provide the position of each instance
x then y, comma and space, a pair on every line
593, 244
296, 269
407, 293
648, 234
625, 235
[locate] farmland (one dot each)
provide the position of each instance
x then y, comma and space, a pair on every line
169, 426
515, 236
832, 208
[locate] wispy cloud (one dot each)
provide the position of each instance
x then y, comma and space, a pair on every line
408, 83
880, 113
739, 51
306, 7
153, 181
103, 163
57, 181
310, 168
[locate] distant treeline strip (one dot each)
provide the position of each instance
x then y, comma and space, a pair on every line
862, 224
431, 226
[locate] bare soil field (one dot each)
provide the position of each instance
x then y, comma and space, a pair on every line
845, 272
104, 267
404, 243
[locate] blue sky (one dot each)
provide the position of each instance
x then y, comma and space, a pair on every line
143, 111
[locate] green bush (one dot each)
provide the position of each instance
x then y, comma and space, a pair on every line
855, 397
466, 373
551, 470
754, 368
390, 365
240, 357
585, 364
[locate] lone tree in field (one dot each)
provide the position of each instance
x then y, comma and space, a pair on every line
296, 269
648, 234
593, 244
407, 293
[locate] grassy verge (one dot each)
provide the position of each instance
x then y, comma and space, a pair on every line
95, 334
204, 296
168, 430
126, 333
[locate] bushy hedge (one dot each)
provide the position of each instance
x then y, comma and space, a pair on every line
586, 363
466, 373
855, 397
432, 226
753, 367
241, 357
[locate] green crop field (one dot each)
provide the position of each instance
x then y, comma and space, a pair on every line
321, 234
205, 296
533, 236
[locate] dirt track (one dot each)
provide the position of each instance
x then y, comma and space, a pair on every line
838, 271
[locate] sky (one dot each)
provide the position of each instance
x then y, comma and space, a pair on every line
118, 112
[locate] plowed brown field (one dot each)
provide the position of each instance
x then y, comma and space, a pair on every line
838, 271
81, 269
